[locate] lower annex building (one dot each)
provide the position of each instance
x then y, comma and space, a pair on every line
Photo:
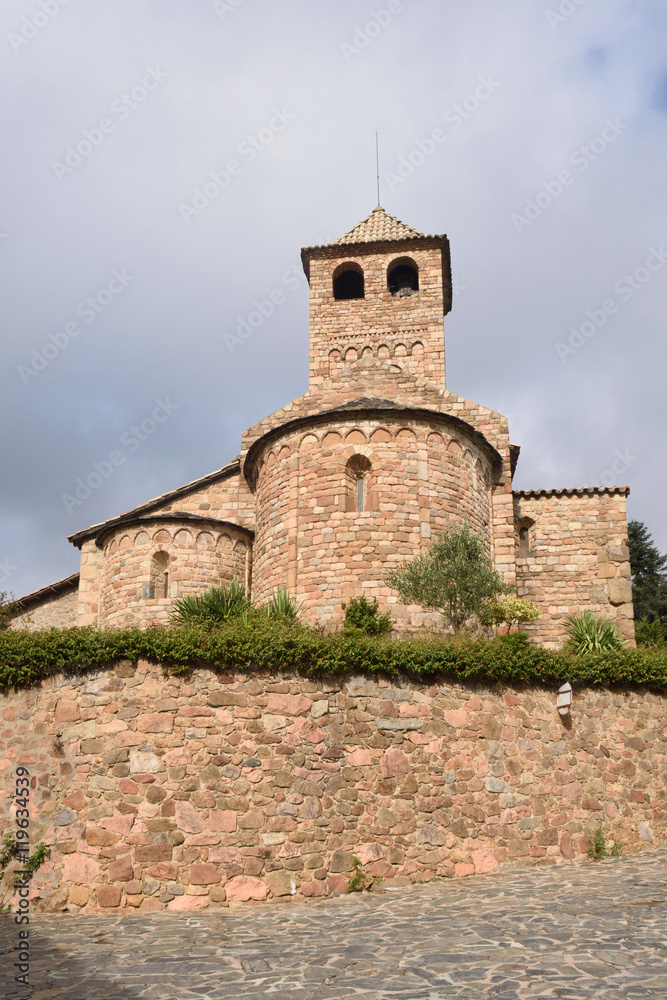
357, 475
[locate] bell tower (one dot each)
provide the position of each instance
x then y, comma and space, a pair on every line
381, 290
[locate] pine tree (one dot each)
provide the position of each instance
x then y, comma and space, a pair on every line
649, 574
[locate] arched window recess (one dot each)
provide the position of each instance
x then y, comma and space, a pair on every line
348, 282
359, 494
158, 585
403, 278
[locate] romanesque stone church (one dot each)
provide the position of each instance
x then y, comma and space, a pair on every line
357, 475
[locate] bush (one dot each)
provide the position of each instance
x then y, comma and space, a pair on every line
216, 605
364, 615
278, 647
650, 633
510, 610
588, 634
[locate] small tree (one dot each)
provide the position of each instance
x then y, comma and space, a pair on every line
512, 610
8, 610
455, 577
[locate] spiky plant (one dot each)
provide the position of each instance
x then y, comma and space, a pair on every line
283, 606
588, 634
216, 605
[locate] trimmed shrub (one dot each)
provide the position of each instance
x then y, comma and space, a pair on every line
276, 647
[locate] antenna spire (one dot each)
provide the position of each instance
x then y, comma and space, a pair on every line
377, 163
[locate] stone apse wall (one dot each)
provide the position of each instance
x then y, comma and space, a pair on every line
160, 793
420, 473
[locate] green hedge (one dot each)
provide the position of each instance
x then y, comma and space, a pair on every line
27, 657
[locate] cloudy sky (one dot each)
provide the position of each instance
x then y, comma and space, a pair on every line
124, 264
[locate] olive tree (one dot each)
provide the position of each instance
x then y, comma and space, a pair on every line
455, 577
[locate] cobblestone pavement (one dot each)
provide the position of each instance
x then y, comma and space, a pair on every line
598, 931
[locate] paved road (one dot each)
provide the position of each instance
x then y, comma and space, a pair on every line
597, 931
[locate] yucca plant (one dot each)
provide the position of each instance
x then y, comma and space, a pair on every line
588, 634
283, 606
216, 605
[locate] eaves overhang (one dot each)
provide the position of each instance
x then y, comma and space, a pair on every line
366, 407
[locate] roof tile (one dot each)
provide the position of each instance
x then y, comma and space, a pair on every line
378, 226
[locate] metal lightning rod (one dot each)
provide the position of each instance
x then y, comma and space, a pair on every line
377, 163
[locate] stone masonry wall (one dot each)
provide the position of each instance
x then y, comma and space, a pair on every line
157, 792
201, 556
578, 559
51, 612
313, 541
380, 325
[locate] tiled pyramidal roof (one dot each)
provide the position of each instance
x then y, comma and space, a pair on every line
378, 226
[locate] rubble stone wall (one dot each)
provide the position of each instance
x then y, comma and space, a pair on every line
164, 793
51, 612
577, 559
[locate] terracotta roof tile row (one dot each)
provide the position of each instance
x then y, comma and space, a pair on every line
579, 491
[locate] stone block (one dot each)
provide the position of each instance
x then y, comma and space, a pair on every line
181, 903
243, 888
109, 895
282, 883
144, 762
205, 874
222, 821
394, 762
151, 853
79, 895
80, 868
121, 870
156, 722
188, 819
341, 861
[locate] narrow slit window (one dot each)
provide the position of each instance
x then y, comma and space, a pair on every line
357, 496
360, 493
524, 542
